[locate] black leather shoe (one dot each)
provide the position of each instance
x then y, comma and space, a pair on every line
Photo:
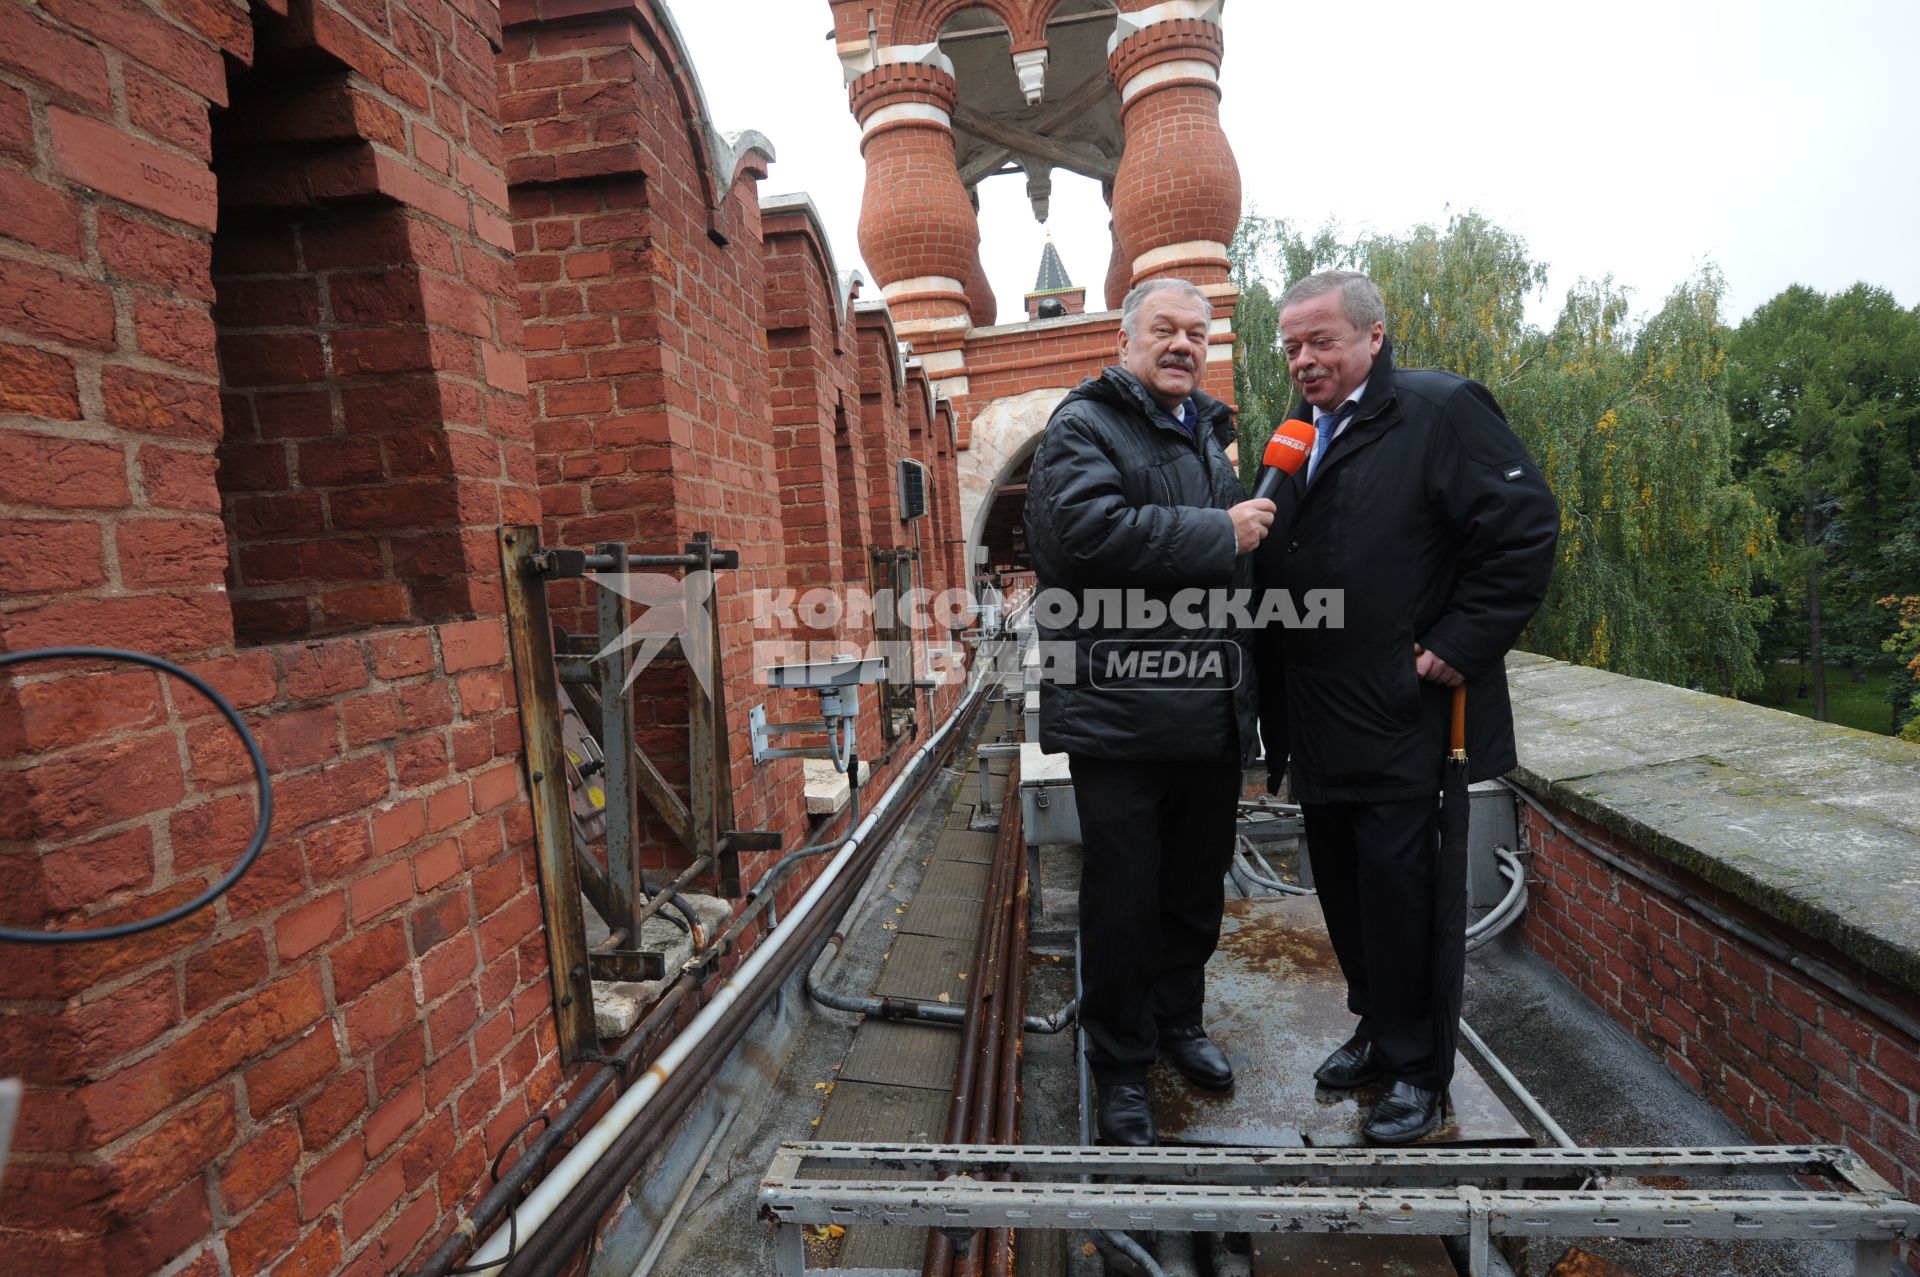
1126, 1115
1195, 1056
1406, 1113
1354, 1064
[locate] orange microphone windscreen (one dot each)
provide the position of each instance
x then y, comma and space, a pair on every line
1288, 449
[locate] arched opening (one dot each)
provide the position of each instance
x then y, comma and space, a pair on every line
1001, 444
999, 538
1045, 114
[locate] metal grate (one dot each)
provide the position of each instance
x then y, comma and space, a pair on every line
1259, 1191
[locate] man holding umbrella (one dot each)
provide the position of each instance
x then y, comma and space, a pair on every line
1424, 509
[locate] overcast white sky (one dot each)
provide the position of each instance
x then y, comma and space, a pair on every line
1778, 139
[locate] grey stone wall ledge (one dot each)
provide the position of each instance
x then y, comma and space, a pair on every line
1815, 826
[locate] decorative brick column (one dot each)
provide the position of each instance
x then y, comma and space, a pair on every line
1119, 271
983, 308
918, 232
1176, 199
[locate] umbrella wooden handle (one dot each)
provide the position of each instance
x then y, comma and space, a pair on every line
1460, 721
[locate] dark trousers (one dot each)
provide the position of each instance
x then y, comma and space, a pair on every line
1376, 869
1157, 839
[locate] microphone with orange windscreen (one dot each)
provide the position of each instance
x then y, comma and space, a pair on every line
1286, 452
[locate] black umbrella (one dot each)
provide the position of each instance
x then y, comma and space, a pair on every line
1450, 894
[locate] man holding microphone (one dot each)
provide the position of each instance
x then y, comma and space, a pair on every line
1129, 502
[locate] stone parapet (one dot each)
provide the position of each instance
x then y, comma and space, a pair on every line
1735, 887
1815, 826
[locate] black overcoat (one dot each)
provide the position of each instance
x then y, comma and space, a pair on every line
1437, 527
1122, 503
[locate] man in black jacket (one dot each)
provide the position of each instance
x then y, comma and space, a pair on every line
1130, 503
1421, 505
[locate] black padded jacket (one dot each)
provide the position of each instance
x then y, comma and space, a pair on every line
1430, 517
1125, 509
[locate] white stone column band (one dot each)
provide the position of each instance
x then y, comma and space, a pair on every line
1161, 72
905, 112
1192, 250
923, 284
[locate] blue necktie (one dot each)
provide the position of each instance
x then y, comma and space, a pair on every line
1323, 431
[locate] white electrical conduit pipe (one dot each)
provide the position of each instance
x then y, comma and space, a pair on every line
551, 1190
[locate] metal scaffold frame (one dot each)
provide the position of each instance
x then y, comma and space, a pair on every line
1465, 1193
702, 825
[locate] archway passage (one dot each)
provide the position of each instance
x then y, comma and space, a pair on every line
1000, 449
1003, 534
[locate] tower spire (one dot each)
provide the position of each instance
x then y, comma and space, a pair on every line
1053, 292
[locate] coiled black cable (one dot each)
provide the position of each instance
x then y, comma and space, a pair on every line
252, 853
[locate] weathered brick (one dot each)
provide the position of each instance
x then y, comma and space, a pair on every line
91, 788
55, 305
338, 850
264, 1162
401, 655
178, 1150
50, 554
380, 891
367, 959
176, 551
380, 1014
399, 1060
156, 404
39, 383
394, 1118
292, 1072
327, 1180
217, 1047
317, 1255
71, 67
216, 974
332, 1109
325, 669
262, 1236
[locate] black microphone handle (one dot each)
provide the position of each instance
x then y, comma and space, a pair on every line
1268, 485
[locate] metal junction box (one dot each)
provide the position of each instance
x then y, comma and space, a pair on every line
1047, 810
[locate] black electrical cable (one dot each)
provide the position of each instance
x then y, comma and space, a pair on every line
252, 853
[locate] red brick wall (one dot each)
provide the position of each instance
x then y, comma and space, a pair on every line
644, 303
309, 1074
279, 454
813, 381
1781, 1055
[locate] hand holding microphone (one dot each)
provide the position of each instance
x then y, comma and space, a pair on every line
1286, 452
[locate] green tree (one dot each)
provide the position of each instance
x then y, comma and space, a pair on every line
1904, 643
1823, 395
1457, 297
1659, 546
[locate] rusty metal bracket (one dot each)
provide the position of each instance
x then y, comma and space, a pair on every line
628, 966
736, 841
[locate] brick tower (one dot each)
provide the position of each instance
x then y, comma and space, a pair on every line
950, 93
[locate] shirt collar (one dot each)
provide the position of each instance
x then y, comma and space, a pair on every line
1351, 400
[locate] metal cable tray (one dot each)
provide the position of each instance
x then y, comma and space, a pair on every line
1246, 1190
